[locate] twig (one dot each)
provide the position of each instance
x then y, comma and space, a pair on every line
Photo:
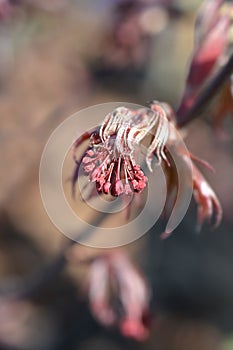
26, 287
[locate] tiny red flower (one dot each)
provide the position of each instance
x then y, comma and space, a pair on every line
110, 158
110, 161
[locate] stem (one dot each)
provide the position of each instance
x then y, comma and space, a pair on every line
207, 94
28, 286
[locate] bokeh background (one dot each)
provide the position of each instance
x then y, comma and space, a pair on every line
60, 56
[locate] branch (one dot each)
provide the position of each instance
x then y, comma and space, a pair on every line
27, 286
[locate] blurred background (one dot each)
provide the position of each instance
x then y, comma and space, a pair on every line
57, 57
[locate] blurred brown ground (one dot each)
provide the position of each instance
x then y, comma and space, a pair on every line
44, 78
